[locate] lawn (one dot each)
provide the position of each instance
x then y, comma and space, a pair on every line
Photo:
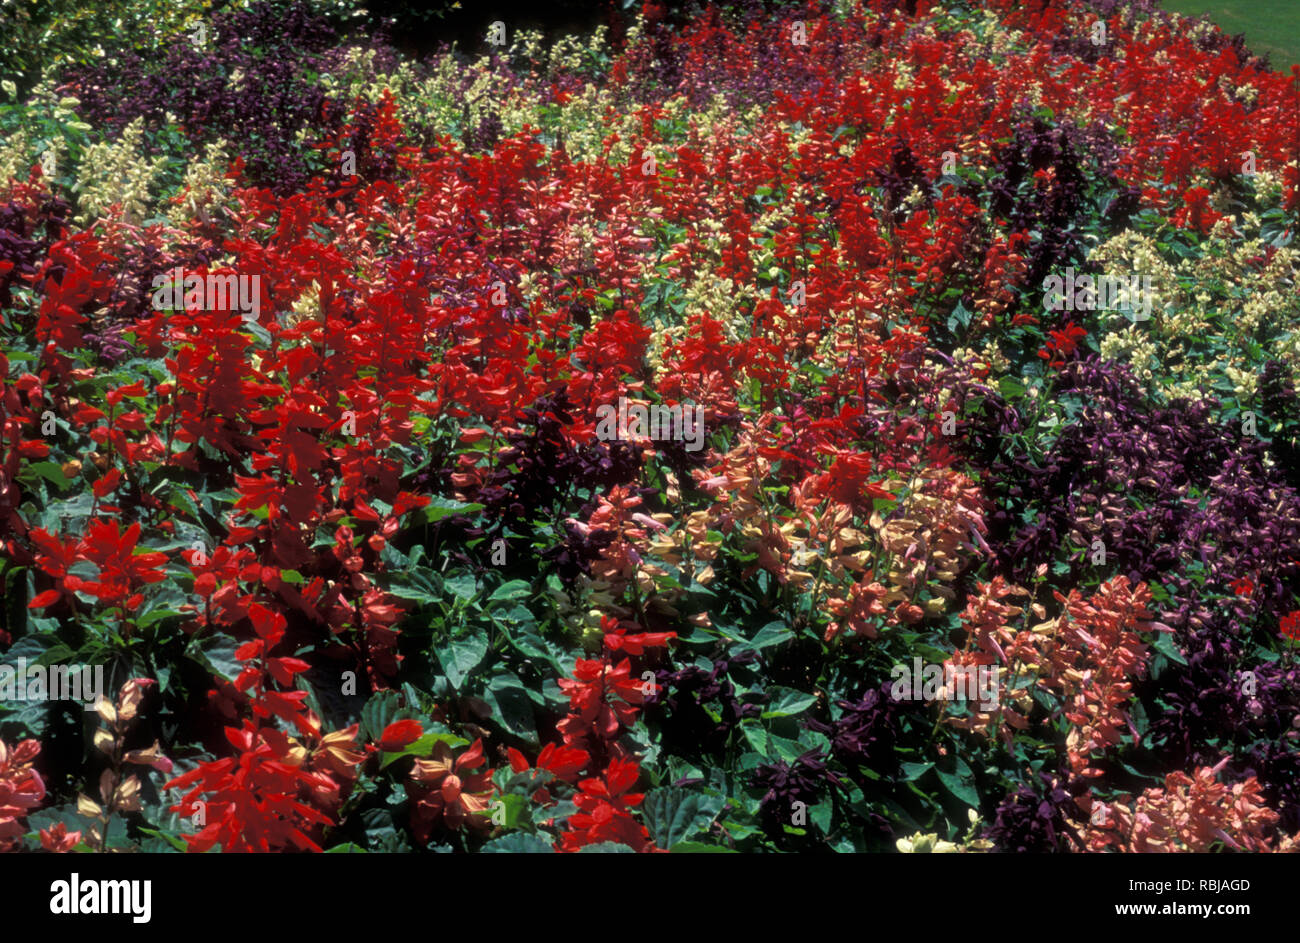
1272, 27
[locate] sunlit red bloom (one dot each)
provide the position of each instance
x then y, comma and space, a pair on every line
564, 762
1189, 814
338, 754
21, 789
446, 790
605, 802
593, 711
400, 734
1062, 344
617, 638
58, 839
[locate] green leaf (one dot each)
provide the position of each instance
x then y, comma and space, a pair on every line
422, 747
755, 734
170, 838
958, 784
51, 472
217, 654
56, 654
513, 705
156, 615
774, 633
673, 814
1166, 646
381, 834
607, 847
913, 771
787, 702
522, 843
1011, 388
520, 630
960, 317
515, 808
463, 585
515, 589
787, 749
180, 499
697, 848
416, 583
821, 815
441, 507
459, 658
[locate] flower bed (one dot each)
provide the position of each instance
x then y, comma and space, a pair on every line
673, 438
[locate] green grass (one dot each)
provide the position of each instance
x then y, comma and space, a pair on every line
1272, 27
